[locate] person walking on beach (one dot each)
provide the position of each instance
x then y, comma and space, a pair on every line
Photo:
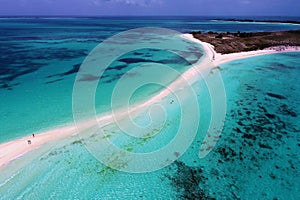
33, 135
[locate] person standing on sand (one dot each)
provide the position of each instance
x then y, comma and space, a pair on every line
33, 135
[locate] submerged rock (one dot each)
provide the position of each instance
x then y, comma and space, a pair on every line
277, 96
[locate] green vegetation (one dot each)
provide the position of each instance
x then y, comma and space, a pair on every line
241, 41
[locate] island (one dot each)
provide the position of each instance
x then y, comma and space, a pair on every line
226, 43
260, 21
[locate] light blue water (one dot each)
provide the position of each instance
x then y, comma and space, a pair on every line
69, 170
256, 157
42, 55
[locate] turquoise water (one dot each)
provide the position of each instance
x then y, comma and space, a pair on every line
257, 156
42, 55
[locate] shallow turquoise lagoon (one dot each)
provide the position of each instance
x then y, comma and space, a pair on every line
40, 58
39, 69
257, 156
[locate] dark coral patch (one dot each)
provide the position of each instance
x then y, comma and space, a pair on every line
88, 77
134, 60
187, 181
75, 69
277, 96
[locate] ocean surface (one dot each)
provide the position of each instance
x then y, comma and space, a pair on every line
257, 156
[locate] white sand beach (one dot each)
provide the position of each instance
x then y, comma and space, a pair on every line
12, 150
219, 59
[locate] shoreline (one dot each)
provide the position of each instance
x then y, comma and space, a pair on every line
258, 21
236, 42
219, 58
12, 150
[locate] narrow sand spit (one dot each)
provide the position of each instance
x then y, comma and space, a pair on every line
10, 151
